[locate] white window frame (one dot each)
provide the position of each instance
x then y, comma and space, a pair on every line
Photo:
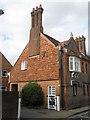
52, 90
71, 57
76, 61
6, 74
24, 65
9, 77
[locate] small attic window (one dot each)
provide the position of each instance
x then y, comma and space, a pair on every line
44, 54
24, 65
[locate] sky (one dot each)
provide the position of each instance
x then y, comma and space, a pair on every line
59, 20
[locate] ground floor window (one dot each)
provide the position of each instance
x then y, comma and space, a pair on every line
2, 88
74, 89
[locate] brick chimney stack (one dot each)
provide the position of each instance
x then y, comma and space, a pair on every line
36, 28
80, 41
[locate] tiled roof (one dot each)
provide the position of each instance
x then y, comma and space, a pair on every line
55, 42
66, 42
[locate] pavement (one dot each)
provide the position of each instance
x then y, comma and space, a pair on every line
45, 113
84, 115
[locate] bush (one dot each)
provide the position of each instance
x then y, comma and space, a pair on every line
32, 95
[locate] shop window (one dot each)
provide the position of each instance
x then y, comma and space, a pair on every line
74, 89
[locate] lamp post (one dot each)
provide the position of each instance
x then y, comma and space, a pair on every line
1, 12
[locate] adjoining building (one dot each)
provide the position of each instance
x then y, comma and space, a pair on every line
1, 12
60, 68
5, 68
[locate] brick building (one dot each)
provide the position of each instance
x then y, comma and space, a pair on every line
5, 68
60, 68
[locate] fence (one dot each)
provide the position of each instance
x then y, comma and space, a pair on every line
9, 104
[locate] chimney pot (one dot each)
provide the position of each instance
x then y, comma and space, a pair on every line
36, 7
33, 9
36, 28
71, 35
79, 37
40, 6
82, 36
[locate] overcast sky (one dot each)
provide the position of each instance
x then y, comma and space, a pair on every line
59, 19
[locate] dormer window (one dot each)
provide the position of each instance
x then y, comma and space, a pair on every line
74, 64
24, 65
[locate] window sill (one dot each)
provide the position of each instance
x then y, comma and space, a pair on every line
4, 76
24, 70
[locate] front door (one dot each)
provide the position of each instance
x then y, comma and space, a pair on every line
52, 97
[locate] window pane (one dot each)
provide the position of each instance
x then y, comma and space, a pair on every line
74, 64
4, 73
71, 65
24, 65
71, 59
74, 89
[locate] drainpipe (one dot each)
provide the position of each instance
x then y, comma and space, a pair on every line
61, 77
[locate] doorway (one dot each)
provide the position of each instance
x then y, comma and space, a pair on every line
15, 87
52, 97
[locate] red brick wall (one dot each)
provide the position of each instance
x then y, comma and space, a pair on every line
44, 70
5, 66
38, 67
44, 85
